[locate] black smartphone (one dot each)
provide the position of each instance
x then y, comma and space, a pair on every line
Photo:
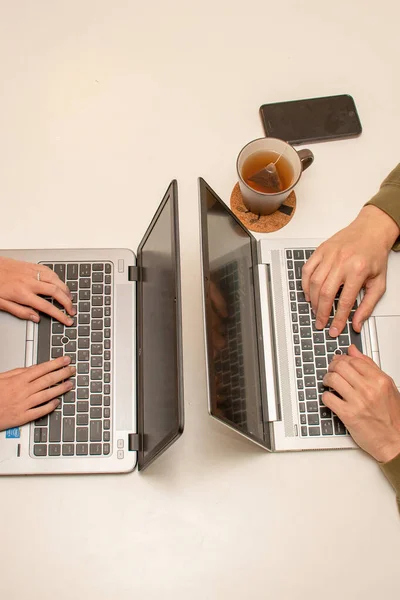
312, 120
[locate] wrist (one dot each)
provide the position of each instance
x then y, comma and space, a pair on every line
379, 224
388, 452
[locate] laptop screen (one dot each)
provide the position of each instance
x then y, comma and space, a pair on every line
159, 333
229, 252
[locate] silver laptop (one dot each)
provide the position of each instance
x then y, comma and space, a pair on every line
265, 358
127, 403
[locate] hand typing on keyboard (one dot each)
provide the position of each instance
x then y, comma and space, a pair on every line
370, 403
355, 257
31, 393
21, 286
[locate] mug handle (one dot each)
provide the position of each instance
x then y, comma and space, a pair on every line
306, 157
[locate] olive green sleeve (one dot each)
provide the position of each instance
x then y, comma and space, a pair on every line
392, 472
388, 199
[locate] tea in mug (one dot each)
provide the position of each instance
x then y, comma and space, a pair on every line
260, 160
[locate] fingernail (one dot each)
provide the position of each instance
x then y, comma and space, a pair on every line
333, 332
70, 321
66, 360
73, 369
69, 385
318, 324
35, 318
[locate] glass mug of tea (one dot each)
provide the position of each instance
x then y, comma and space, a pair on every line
288, 165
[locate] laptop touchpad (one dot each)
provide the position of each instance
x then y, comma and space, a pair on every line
388, 330
12, 347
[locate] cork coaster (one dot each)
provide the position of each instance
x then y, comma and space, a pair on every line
262, 223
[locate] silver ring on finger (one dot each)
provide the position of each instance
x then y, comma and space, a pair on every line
38, 276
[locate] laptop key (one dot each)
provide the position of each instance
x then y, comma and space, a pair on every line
308, 357
320, 362
72, 357
96, 361
72, 286
304, 320
82, 393
57, 327
69, 397
82, 406
83, 355
54, 449
56, 340
97, 288
319, 350
313, 419
107, 268
42, 422
309, 381
84, 319
82, 434
97, 300
68, 429
96, 387
69, 410
85, 270
83, 368
321, 374
72, 271
325, 412
96, 431
60, 271
96, 412
96, 349
37, 436
40, 450
81, 449
84, 294
98, 267
298, 267
97, 277
106, 436
82, 380
106, 449
97, 312
70, 347
82, 419
327, 427
340, 429
304, 309
68, 449
95, 449
96, 400
83, 343
107, 300
71, 334
312, 407
84, 307
303, 419
304, 432
314, 431
306, 344
311, 394
57, 352
309, 369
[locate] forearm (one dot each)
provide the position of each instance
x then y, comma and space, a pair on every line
392, 471
388, 201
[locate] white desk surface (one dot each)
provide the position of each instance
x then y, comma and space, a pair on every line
102, 104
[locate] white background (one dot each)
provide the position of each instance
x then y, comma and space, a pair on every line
101, 105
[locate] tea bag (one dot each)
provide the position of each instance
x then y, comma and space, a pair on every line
268, 177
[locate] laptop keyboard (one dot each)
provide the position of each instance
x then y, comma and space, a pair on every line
228, 365
82, 424
313, 351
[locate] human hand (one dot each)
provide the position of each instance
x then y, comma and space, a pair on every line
26, 395
370, 407
355, 257
20, 289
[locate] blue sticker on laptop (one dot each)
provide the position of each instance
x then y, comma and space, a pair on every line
14, 433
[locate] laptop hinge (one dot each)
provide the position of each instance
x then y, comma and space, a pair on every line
133, 273
134, 444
